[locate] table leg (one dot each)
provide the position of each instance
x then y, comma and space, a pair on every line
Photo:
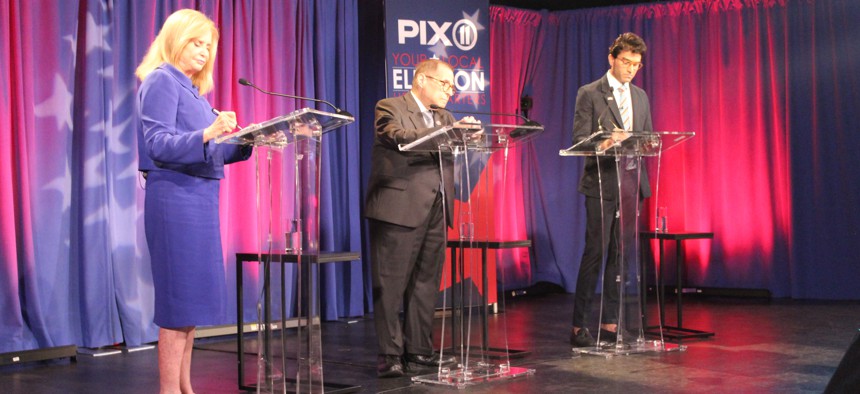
240, 327
643, 288
660, 285
454, 334
677, 331
267, 315
484, 299
462, 297
679, 286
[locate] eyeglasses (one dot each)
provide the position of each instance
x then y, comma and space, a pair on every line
446, 86
629, 63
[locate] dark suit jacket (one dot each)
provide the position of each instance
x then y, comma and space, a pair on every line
403, 185
596, 103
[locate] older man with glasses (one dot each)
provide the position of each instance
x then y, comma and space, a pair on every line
404, 207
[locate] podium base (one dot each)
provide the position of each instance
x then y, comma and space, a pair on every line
636, 347
463, 377
496, 353
292, 387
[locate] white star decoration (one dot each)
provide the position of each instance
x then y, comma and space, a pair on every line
114, 143
124, 213
96, 35
474, 18
439, 51
130, 171
94, 171
96, 215
106, 72
59, 105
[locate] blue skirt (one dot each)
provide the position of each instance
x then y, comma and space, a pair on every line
184, 239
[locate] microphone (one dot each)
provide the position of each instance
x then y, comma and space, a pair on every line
603, 113
516, 133
528, 121
245, 82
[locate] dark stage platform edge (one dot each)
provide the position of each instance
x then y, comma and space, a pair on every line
758, 346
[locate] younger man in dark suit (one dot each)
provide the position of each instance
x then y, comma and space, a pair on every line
610, 103
407, 226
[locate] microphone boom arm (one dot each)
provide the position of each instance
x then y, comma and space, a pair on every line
245, 82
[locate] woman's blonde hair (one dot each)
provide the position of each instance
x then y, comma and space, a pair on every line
180, 28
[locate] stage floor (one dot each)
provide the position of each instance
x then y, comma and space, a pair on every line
760, 346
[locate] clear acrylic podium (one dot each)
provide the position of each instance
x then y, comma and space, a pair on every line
287, 182
626, 156
471, 148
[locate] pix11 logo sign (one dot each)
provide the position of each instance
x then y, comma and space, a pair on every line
453, 31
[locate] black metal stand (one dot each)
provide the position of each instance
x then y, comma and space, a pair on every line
241, 258
678, 332
456, 321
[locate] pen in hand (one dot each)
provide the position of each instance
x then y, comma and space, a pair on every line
217, 112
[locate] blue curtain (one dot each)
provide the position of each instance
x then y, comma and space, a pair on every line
824, 95
73, 258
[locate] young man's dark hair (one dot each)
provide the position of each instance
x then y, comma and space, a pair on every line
628, 42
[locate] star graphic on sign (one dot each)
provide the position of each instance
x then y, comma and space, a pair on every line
439, 51
59, 105
474, 18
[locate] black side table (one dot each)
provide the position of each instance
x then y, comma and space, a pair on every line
678, 332
485, 246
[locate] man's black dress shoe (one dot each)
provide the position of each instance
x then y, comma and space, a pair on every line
582, 338
432, 360
388, 366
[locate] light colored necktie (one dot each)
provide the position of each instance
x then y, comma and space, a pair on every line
626, 117
626, 112
428, 118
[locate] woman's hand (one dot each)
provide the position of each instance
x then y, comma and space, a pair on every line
224, 123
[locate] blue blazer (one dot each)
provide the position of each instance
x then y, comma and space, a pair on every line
173, 116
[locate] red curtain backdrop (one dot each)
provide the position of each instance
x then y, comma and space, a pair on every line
513, 38
768, 88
